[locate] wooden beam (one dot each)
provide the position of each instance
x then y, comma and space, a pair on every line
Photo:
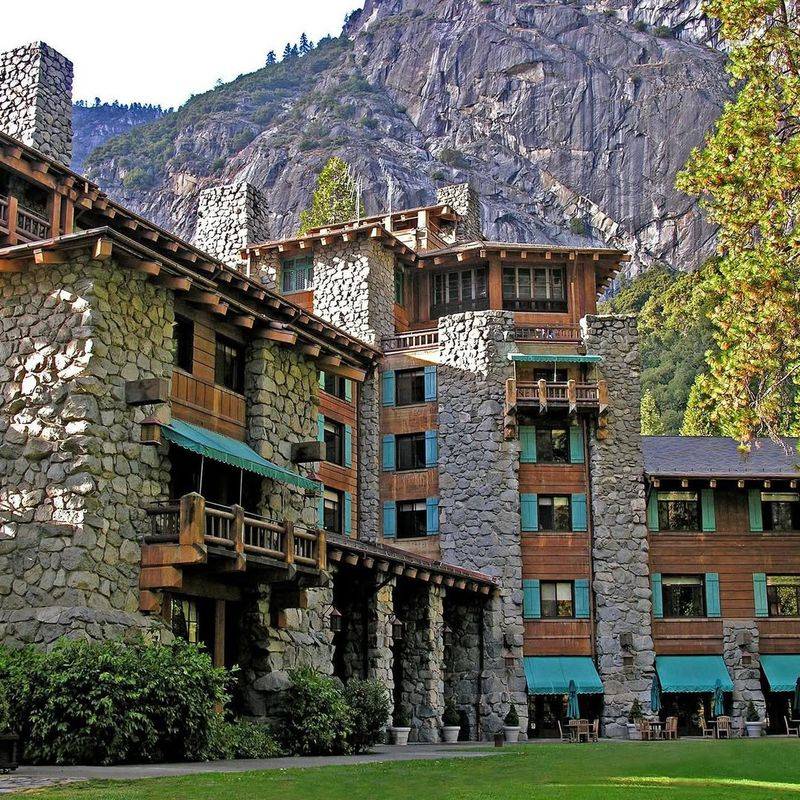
345, 371
312, 350
48, 257
285, 337
176, 282
102, 249
151, 268
242, 320
329, 361
204, 298
10, 265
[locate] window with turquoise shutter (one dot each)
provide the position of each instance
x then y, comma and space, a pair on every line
760, 594
390, 519
707, 510
432, 515
321, 511
579, 513
320, 427
348, 513
531, 599
657, 594
527, 439
431, 449
652, 510
348, 390
754, 506
388, 386
430, 383
389, 452
348, 446
576, 444
321, 379
582, 601
529, 508
712, 595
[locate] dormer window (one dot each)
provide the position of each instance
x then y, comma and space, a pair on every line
297, 275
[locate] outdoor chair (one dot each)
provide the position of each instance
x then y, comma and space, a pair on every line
707, 731
595, 730
646, 730
565, 737
671, 728
791, 730
583, 730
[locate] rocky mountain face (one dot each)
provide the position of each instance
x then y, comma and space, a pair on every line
570, 118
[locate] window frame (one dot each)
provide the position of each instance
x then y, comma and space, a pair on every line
542, 444
772, 586
237, 364
543, 528
556, 584
335, 454
335, 385
417, 443
183, 341
402, 376
665, 523
420, 512
768, 512
520, 293
293, 268
669, 580
337, 497
443, 285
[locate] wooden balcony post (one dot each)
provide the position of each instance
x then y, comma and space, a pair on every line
238, 536
13, 209
542, 385
192, 520
322, 549
602, 395
219, 633
288, 543
572, 396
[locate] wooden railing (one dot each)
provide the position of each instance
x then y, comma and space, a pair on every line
411, 340
548, 333
4, 212
31, 227
572, 394
203, 398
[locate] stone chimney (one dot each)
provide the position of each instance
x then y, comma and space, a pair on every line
36, 99
229, 218
464, 200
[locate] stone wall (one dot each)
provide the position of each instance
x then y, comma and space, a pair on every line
622, 600
74, 476
229, 218
462, 658
36, 99
740, 637
464, 200
479, 491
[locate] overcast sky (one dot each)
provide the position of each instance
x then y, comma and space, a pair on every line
162, 51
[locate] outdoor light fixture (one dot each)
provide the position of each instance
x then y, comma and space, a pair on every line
447, 635
509, 660
627, 659
335, 619
398, 628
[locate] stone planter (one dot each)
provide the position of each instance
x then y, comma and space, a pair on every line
754, 728
511, 734
8, 752
400, 736
634, 734
450, 733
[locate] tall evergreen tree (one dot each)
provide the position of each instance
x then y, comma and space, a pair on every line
334, 198
697, 417
271, 59
652, 423
306, 45
287, 51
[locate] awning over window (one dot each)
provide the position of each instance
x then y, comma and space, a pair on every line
782, 671
554, 358
692, 674
232, 452
552, 674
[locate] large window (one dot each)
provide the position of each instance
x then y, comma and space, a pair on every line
465, 290
557, 599
534, 289
411, 519
335, 385
780, 511
334, 442
399, 286
783, 595
229, 364
678, 511
683, 595
554, 512
410, 451
410, 386
297, 275
332, 510
185, 619
552, 445
183, 334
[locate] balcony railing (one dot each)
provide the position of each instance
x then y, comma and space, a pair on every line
31, 227
4, 213
569, 333
411, 340
570, 394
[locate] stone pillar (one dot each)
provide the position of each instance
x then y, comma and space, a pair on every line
462, 614
464, 200
619, 535
230, 218
379, 631
36, 99
479, 491
740, 638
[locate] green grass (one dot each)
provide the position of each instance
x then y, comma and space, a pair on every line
767, 768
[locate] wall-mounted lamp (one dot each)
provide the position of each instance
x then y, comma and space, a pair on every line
335, 620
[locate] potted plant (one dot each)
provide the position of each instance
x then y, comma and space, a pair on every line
8, 739
451, 723
511, 726
752, 721
634, 718
401, 726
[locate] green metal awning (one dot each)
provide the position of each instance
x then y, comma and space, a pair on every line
554, 358
232, 452
552, 674
695, 674
782, 671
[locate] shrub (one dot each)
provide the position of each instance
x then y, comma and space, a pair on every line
402, 717
751, 714
640, 25
450, 718
453, 158
111, 702
577, 226
239, 739
636, 711
139, 178
316, 718
512, 718
437, 175
369, 708
663, 31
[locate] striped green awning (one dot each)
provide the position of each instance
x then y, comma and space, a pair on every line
552, 674
692, 674
232, 452
782, 671
554, 358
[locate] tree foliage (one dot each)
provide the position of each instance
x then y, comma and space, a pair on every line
334, 198
748, 177
652, 423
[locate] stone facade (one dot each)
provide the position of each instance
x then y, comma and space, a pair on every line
229, 218
739, 638
464, 200
622, 599
36, 99
462, 660
75, 478
479, 491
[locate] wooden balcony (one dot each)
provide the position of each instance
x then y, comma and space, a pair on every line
208, 404
21, 225
411, 340
544, 394
569, 333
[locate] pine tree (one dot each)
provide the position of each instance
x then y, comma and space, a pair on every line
306, 45
652, 424
334, 198
271, 59
697, 417
287, 51
295, 52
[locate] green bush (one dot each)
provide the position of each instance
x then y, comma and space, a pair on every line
663, 32
640, 25
316, 718
139, 178
512, 718
239, 739
402, 717
111, 702
453, 158
450, 718
369, 709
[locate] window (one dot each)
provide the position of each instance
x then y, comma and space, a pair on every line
411, 519
678, 511
335, 385
410, 386
780, 511
552, 445
183, 336
334, 442
465, 290
783, 595
185, 621
683, 595
550, 375
534, 289
332, 510
229, 365
554, 513
410, 451
557, 599
399, 286
297, 275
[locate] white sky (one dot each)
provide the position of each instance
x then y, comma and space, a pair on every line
162, 51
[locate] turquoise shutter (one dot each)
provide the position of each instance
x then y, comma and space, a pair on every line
348, 390
320, 428
432, 508
531, 599
431, 449
712, 594
388, 388
582, 598
321, 379
576, 444
529, 504
527, 438
430, 383
389, 453
321, 512
652, 511
348, 446
754, 501
760, 594
707, 510
579, 521
347, 522
658, 595
389, 519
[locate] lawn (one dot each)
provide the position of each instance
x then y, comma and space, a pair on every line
766, 768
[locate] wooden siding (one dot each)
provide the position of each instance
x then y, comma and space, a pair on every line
411, 485
552, 478
303, 299
558, 637
687, 637
427, 546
